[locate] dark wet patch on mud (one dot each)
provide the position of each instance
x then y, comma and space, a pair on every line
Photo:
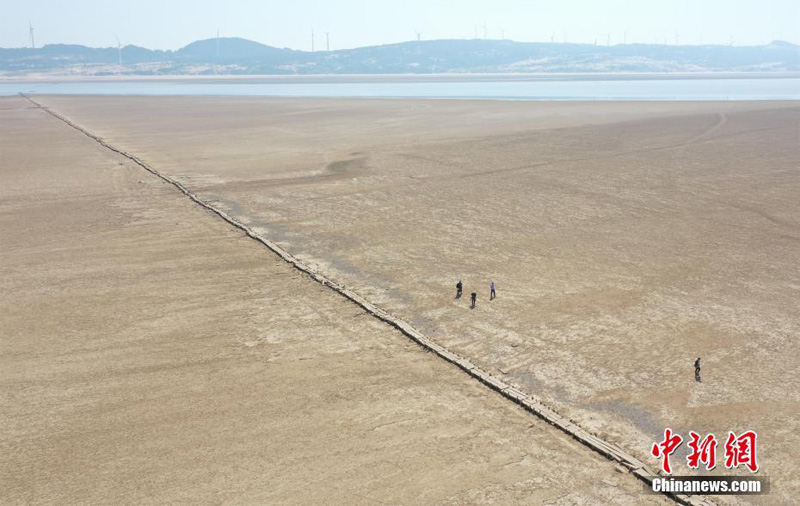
300, 245
339, 170
425, 324
229, 206
641, 418
346, 166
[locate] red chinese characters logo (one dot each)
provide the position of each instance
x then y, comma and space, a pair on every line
704, 451
741, 450
666, 448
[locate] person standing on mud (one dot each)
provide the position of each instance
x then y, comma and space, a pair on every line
473, 298
492, 293
459, 288
697, 370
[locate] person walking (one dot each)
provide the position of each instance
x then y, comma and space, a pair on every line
459, 288
697, 370
473, 298
492, 293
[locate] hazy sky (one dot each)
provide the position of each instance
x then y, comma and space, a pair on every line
170, 24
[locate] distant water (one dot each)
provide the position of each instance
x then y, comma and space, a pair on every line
619, 89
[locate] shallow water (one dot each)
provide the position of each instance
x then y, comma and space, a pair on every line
619, 89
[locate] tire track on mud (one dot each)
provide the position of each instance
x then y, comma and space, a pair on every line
527, 402
722, 120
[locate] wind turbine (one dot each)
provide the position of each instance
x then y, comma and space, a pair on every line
119, 48
419, 35
327, 42
312, 40
608, 39
484, 31
30, 31
553, 37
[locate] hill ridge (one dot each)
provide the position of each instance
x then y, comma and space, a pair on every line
235, 55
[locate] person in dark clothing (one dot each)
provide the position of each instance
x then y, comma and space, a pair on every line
459, 289
473, 298
492, 293
697, 370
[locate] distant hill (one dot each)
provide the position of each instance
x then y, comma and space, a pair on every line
241, 56
234, 50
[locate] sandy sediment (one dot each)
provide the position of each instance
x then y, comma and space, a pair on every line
626, 239
525, 400
151, 353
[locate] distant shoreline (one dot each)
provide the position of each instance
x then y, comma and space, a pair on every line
410, 78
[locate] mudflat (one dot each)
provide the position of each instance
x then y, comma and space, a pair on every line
625, 239
152, 354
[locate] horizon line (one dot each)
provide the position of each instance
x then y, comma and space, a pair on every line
411, 41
